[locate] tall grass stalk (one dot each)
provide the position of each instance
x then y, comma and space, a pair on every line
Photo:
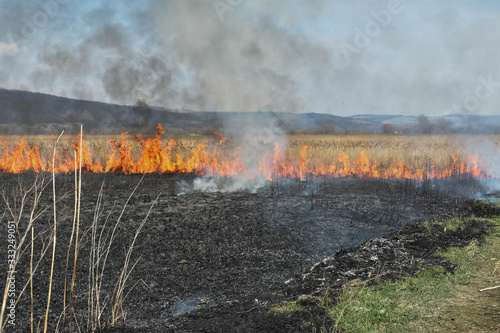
31, 280
78, 195
118, 298
94, 304
28, 198
54, 239
101, 246
20, 203
70, 242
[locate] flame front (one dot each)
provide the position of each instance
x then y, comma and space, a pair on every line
221, 160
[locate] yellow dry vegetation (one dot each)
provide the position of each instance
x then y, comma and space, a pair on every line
418, 150
387, 149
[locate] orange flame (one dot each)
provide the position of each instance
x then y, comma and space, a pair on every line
220, 160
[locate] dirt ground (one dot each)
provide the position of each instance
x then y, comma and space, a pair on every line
216, 262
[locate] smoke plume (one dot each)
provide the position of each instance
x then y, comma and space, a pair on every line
382, 57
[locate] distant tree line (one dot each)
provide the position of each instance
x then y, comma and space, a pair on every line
441, 126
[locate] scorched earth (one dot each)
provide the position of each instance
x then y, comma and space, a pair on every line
212, 261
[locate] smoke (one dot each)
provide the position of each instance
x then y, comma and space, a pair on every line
255, 136
177, 54
256, 55
236, 183
244, 59
258, 132
488, 151
193, 303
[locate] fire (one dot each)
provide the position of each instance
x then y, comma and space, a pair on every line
221, 160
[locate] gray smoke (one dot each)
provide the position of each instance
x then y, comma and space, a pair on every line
255, 135
242, 59
487, 150
256, 55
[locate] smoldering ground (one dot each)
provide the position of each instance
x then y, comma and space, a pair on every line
222, 251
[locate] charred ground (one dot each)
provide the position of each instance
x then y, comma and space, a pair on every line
218, 261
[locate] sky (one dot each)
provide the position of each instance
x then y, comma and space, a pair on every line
341, 57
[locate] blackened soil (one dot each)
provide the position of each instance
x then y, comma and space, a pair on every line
216, 262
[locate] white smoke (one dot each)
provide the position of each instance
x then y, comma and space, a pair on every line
487, 149
255, 135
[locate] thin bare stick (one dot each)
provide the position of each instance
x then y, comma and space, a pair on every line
70, 241
118, 298
31, 275
77, 225
54, 236
490, 288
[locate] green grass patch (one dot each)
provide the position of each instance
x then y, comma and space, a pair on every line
431, 301
286, 308
447, 225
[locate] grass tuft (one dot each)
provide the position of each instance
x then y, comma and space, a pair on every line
286, 308
447, 225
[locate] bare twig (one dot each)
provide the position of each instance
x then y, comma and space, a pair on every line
54, 235
118, 298
70, 241
77, 224
490, 288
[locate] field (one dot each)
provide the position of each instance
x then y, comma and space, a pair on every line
386, 154
168, 256
388, 149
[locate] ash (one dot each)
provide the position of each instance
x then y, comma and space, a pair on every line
214, 260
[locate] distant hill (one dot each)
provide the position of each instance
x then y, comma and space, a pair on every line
455, 119
23, 112
452, 123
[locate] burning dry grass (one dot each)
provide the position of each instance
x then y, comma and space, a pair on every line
377, 156
99, 145
388, 149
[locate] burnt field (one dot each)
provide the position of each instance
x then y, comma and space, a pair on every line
218, 261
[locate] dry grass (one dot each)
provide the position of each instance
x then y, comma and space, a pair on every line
422, 150
98, 144
387, 149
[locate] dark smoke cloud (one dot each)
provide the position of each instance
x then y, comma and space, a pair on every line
251, 55
244, 59
144, 79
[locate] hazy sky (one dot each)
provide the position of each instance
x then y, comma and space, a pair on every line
341, 57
